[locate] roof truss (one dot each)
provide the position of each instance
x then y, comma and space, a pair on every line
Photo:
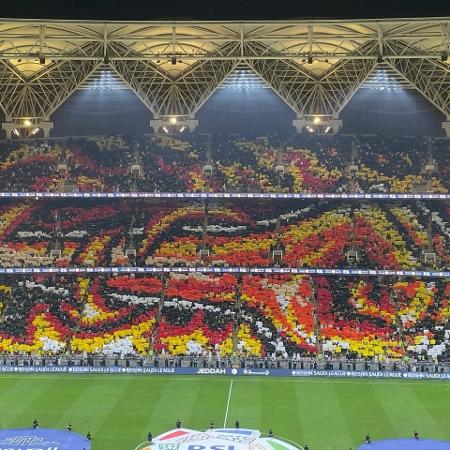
315, 66
182, 94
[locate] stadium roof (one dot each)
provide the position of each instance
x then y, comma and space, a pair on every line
174, 66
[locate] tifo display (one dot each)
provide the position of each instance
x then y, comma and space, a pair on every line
94, 233
224, 316
241, 326
224, 234
303, 163
205, 316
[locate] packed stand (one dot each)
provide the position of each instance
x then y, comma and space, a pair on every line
93, 233
205, 315
162, 163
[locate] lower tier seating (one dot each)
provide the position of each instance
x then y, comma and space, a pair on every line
220, 315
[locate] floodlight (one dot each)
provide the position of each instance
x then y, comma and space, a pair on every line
27, 122
173, 120
316, 120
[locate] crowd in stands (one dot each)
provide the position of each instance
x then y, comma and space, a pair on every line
301, 163
206, 315
92, 233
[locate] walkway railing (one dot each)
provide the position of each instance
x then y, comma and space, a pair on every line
228, 195
222, 270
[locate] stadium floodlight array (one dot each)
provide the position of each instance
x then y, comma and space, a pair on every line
222, 270
227, 195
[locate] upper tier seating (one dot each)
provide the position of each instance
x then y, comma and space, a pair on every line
311, 164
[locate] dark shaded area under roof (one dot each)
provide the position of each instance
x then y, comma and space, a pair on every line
223, 9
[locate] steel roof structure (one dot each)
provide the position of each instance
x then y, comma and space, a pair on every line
174, 67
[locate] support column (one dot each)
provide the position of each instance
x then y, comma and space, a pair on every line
299, 123
336, 125
192, 124
446, 126
46, 127
156, 124
317, 124
173, 124
26, 129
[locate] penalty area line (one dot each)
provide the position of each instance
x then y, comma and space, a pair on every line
230, 390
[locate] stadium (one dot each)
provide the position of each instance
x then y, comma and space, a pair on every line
225, 234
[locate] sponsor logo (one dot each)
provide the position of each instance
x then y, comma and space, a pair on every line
369, 374
28, 447
171, 446
221, 439
193, 437
236, 438
27, 442
213, 371
41, 439
206, 371
255, 372
210, 447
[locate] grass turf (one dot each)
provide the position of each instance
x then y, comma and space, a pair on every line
328, 414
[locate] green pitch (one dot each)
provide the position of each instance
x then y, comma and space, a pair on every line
328, 414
